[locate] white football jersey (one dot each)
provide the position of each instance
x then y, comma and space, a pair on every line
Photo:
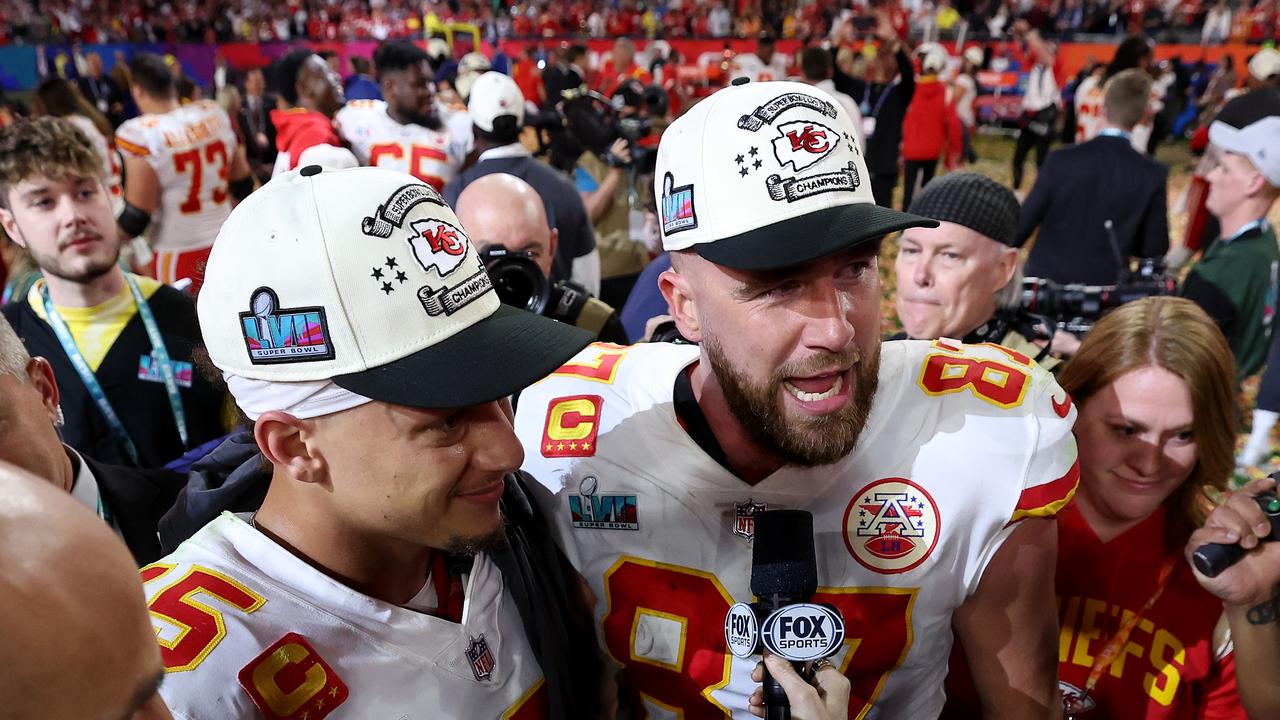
962, 443
191, 149
429, 155
749, 65
109, 156
248, 630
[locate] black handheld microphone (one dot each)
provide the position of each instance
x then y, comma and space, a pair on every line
783, 572
1212, 558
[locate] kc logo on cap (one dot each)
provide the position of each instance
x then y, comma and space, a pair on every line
365, 278
766, 175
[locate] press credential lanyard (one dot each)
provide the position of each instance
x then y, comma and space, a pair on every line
159, 353
1121, 636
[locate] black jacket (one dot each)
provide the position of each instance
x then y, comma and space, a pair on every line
258, 120
142, 405
888, 104
136, 500
544, 586
1081, 187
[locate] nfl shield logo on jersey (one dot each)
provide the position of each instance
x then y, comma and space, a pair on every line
744, 517
891, 526
480, 657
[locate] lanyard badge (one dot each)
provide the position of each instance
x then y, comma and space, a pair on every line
159, 352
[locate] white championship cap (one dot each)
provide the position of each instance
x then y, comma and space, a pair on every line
364, 277
767, 175
1265, 64
1249, 125
494, 95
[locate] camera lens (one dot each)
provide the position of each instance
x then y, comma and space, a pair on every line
517, 279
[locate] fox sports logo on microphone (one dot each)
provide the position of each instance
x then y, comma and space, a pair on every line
803, 632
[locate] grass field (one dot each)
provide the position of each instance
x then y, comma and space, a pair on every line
995, 155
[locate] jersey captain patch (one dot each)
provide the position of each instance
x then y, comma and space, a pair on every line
572, 425
891, 525
290, 681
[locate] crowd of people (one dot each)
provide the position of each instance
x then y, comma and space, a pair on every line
420, 389
1209, 21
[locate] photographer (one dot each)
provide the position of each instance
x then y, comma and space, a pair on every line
497, 111
605, 177
1040, 102
503, 213
1235, 282
963, 278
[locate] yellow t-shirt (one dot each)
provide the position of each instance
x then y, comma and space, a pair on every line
95, 328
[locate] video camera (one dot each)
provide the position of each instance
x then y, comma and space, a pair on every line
586, 121
520, 283
1075, 308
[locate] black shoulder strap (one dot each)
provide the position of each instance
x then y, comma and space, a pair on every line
557, 621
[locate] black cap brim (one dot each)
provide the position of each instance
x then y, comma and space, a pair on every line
498, 356
808, 237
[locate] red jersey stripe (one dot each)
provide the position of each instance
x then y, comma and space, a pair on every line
1047, 499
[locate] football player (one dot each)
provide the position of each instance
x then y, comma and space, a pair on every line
404, 132
395, 568
184, 170
932, 469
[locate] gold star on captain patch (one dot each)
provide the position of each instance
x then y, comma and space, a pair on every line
550, 447
560, 446
333, 691
573, 446
320, 704
586, 446
305, 715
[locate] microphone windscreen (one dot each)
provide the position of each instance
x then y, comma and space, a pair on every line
782, 557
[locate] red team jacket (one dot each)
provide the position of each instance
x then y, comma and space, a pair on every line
298, 129
930, 125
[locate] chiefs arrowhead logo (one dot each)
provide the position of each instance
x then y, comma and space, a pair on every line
803, 143
437, 243
1062, 409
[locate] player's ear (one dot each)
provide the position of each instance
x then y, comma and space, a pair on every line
10, 226
677, 288
553, 242
283, 441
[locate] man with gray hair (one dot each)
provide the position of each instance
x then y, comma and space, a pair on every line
963, 279
1099, 203
131, 501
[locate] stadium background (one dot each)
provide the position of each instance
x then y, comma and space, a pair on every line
22, 67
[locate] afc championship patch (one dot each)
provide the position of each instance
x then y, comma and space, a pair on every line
678, 213
591, 509
290, 681
891, 526
572, 425
273, 334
